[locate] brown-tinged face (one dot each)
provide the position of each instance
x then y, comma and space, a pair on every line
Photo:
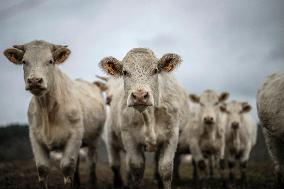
235, 111
209, 102
139, 70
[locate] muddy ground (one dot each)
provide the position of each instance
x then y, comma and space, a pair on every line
22, 175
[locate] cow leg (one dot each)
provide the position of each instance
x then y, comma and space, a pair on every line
231, 165
275, 146
195, 175
135, 168
156, 174
41, 156
76, 180
222, 172
166, 159
177, 161
69, 160
244, 182
202, 172
92, 158
114, 158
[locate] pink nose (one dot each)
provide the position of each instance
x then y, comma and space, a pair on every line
140, 97
235, 125
208, 120
34, 81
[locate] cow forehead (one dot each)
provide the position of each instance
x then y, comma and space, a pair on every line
38, 53
38, 50
140, 58
209, 97
234, 106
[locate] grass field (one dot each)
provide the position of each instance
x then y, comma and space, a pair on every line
22, 175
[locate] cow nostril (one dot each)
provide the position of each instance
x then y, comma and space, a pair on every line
39, 80
133, 95
146, 95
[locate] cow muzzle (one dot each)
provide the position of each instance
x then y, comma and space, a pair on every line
35, 85
140, 98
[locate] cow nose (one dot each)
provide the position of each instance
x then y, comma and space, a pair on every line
235, 125
35, 81
208, 120
140, 97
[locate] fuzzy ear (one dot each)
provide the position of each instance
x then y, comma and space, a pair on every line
169, 62
223, 107
111, 66
60, 54
102, 78
224, 96
246, 107
101, 85
194, 98
14, 55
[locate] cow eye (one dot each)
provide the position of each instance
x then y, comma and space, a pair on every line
24, 62
155, 71
125, 73
216, 103
50, 61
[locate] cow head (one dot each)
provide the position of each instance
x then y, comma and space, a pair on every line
209, 103
235, 111
39, 59
139, 70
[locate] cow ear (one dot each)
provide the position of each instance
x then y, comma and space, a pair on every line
111, 66
194, 98
14, 55
246, 107
223, 108
60, 54
224, 96
102, 86
169, 62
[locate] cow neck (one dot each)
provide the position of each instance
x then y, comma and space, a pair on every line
210, 132
235, 134
50, 102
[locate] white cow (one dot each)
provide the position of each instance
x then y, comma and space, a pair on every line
63, 114
270, 107
148, 110
241, 134
205, 135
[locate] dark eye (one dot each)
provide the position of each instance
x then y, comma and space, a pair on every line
155, 71
216, 103
125, 73
24, 62
51, 62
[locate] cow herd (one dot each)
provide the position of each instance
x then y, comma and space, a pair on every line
141, 108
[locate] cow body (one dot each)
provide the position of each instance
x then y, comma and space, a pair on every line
148, 109
63, 114
206, 135
270, 107
241, 133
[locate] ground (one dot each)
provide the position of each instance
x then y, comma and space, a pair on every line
22, 175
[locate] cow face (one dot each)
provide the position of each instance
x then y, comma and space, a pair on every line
38, 59
235, 111
209, 103
140, 70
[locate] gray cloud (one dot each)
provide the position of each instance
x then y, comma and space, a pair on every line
226, 45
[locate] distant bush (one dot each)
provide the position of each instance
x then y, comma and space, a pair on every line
14, 142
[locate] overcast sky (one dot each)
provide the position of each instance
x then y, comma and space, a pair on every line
225, 45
